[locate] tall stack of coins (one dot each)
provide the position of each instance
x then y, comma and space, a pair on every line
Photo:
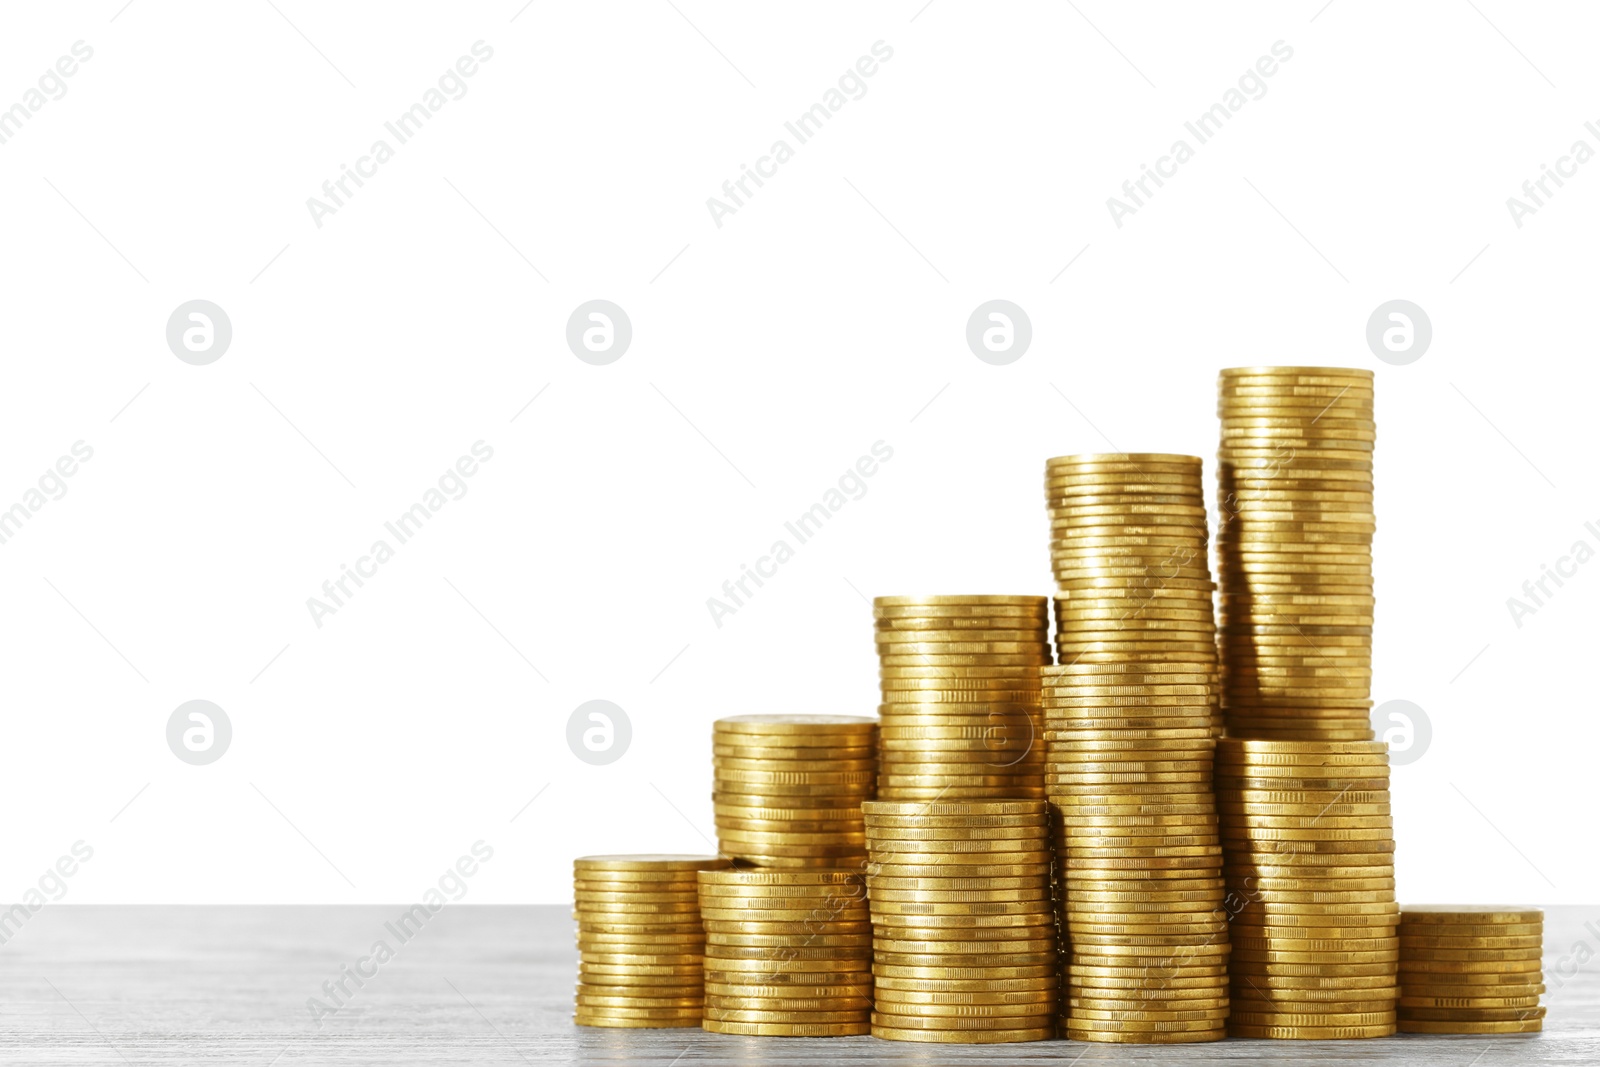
788, 953
640, 943
1295, 551
1468, 969
1128, 545
788, 788
960, 712
964, 947
1309, 845
1139, 861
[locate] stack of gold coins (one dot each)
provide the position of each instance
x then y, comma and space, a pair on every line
1309, 847
1295, 550
960, 712
964, 947
640, 943
1139, 864
788, 788
1128, 544
1471, 969
788, 953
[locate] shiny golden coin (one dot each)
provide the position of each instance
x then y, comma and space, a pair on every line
828, 971
814, 914
1028, 999
620, 942
1408, 1004
729, 1015
823, 811
1470, 914
853, 923
779, 882
1025, 619
815, 747
795, 724
1425, 1026
962, 1037
1481, 1015
946, 809
790, 766
1005, 1011
631, 890
948, 972
593, 972
716, 1026
1524, 942
777, 992
641, 879
1033, 868
649, 862
918, 1020
675, 1004
1460, 967
785, 941
1414, 954
1530, 983
799, 1009
981, 883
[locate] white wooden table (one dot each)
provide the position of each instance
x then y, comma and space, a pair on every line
493, 985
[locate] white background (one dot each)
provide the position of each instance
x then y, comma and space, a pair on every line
827, 314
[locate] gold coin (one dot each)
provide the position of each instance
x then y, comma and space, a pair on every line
922, 1020
723, 968
1408, 1003
1481, 1015
1475, 984
649, 862
630, 890
781, 882
942, 971
959, 1037
1470, 914
792, 726
1524, 942
1416, 966
859, 985
981, 883
1425, 1026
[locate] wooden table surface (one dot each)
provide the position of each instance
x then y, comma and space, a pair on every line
493, 985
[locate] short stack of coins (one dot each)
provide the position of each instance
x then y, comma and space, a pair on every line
788, 953
1139, 863
788, 788
1309, 847
964, 947
1471, 969
960, 681
640, 943
1295, 551
1128, 543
